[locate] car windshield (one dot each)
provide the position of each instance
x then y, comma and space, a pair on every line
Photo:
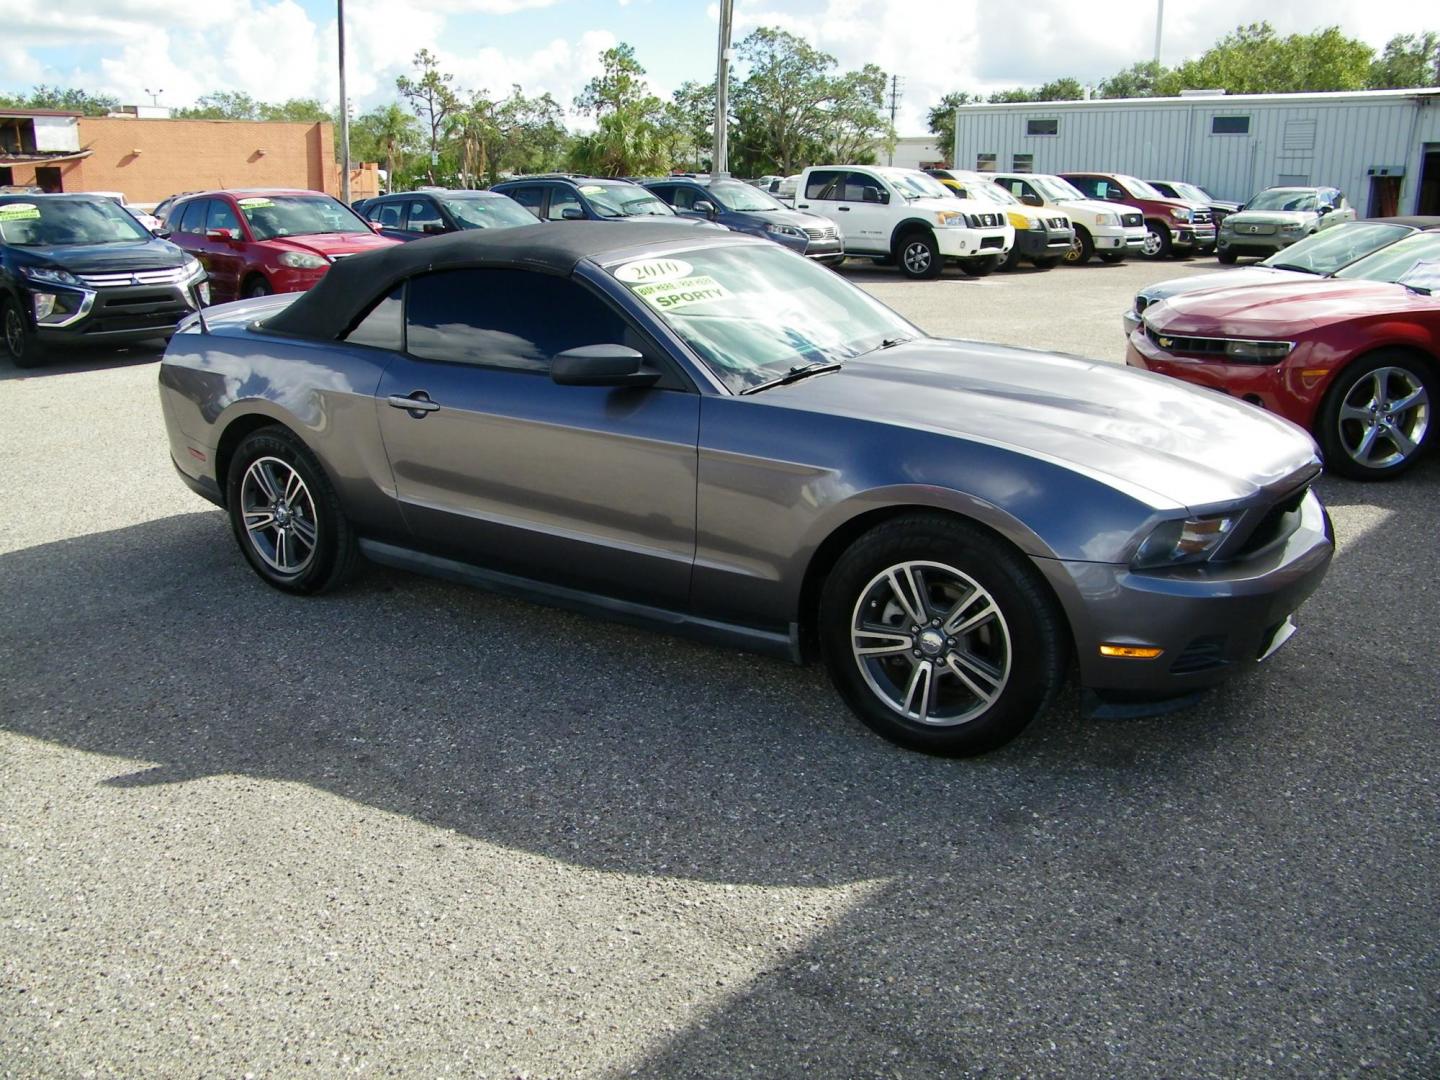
1327, 251
1052, 187
918, 185
271, 216
624, 200
734, 195
1191, 193
1281, 199
43, 222
985, 191
476, 212
1393, 262
755, 313
1139, 189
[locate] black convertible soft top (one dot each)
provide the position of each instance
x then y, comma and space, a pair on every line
351, 285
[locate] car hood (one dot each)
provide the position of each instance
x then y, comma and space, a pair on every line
1248, 277
101, 258
1288, 307
1095, 206
331, 244
798, 218
1158, 439
1270, 217
665, 219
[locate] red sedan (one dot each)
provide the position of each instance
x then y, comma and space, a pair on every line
1355, 362
267, 241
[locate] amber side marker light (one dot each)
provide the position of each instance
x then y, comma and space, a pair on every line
1130, 652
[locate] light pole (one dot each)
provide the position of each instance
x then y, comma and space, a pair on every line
720, 163
344, 109
1159, 26
155, 96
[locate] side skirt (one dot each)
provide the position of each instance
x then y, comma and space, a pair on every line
730, 635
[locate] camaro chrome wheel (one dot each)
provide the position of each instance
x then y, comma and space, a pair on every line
1378, 417
286, 515
940, 635
931, 643
279, 515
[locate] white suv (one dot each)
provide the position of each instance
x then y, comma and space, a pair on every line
1101, 228
906, 217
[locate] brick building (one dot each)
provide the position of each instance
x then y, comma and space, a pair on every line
151, 158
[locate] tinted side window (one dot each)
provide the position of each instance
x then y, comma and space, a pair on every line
817, 183
221, 216
665, 193
860, 187
192, 216
528, 197
1089, 186
504, 318
383, 327
424, 217
562, 200
685, 198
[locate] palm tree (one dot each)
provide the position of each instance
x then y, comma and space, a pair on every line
395, 133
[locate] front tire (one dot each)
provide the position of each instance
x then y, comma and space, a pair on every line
1157, 240
1081, 248
17, 338
1047, 263
1225, 258
1112, 257
256, 287
1378, 416
286, 515
939, 636
981, 266
919, 256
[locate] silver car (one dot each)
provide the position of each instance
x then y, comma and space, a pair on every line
1279, 216
709, 434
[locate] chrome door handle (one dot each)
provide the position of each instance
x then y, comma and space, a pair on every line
417, 404
843, 209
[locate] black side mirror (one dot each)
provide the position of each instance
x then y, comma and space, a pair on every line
162, 232
706, 207
602, 365
572, 213
1031, 200
1326, 209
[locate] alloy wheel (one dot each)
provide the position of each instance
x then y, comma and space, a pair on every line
916, 257
1384, 418
14, 331
279, 515
1151, 247
931, 643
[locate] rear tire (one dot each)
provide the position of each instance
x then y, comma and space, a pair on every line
17, 338
1081, 248
286, 515
919, 257
1012, 259
939, 636
1366, 428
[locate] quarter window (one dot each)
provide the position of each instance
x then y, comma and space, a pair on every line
1230, 125
816, 185
513, 319
1049, 126
383, 327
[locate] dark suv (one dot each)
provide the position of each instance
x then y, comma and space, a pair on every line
77, 269
1171, 225
562, 197
745, 209
409, 215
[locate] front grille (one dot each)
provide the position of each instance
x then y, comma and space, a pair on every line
1058, 223
991, 241
1279, 522
1202, 654
983, 221
125, 278
827, 233
1132, 220
1253, 230
1200, 217
1194, 346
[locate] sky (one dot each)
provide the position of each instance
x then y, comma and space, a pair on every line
278, 49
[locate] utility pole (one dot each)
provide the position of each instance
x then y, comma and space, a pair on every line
1159, 27
344, 109
720, 158
894, 104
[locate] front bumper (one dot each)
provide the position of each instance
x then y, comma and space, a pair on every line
292, 279
1257, 244
1194, 235
1112, 238
964, 243
1211, 620
112, 316
1043, 243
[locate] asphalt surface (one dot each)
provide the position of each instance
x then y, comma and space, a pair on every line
413, 829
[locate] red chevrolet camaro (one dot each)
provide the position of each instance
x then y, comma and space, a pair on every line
1355, 362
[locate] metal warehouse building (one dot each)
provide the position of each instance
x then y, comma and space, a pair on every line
1381, 147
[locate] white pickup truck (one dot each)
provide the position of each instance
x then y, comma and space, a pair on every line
1107, 229
905, 217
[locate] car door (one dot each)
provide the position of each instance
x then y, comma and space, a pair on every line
389, 215
191, 219
423, 218
588, 487
561, 200
531, 197
869, 218
224, 258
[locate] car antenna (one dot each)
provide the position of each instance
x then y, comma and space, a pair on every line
199, 307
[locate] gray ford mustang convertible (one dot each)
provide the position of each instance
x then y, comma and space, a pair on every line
712, 435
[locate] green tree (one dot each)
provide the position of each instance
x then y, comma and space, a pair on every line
690, 114
1255, 60
297, 111
530, 134
780, 106
1408, 60
941, 119
433, 99
620, 85
388, 134
1136, 81
61, 99
221, 105
630, 135
1066, 89
855, 121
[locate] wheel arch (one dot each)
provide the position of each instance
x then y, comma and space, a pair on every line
828, 552
1430, 360
234, 432
905, 228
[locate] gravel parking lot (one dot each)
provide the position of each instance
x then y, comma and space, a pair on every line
416, 829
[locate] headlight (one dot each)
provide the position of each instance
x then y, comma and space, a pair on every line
1180, 214
51, 274
1259, 352
949, 218
787, 230
1291, 227
1175, 543
300, 260
1108, 219
194, 269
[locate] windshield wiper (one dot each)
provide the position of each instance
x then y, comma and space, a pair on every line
886, 343
795, 374
1293, 266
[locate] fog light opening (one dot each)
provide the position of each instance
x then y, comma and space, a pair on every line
1130, 652
45, 305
